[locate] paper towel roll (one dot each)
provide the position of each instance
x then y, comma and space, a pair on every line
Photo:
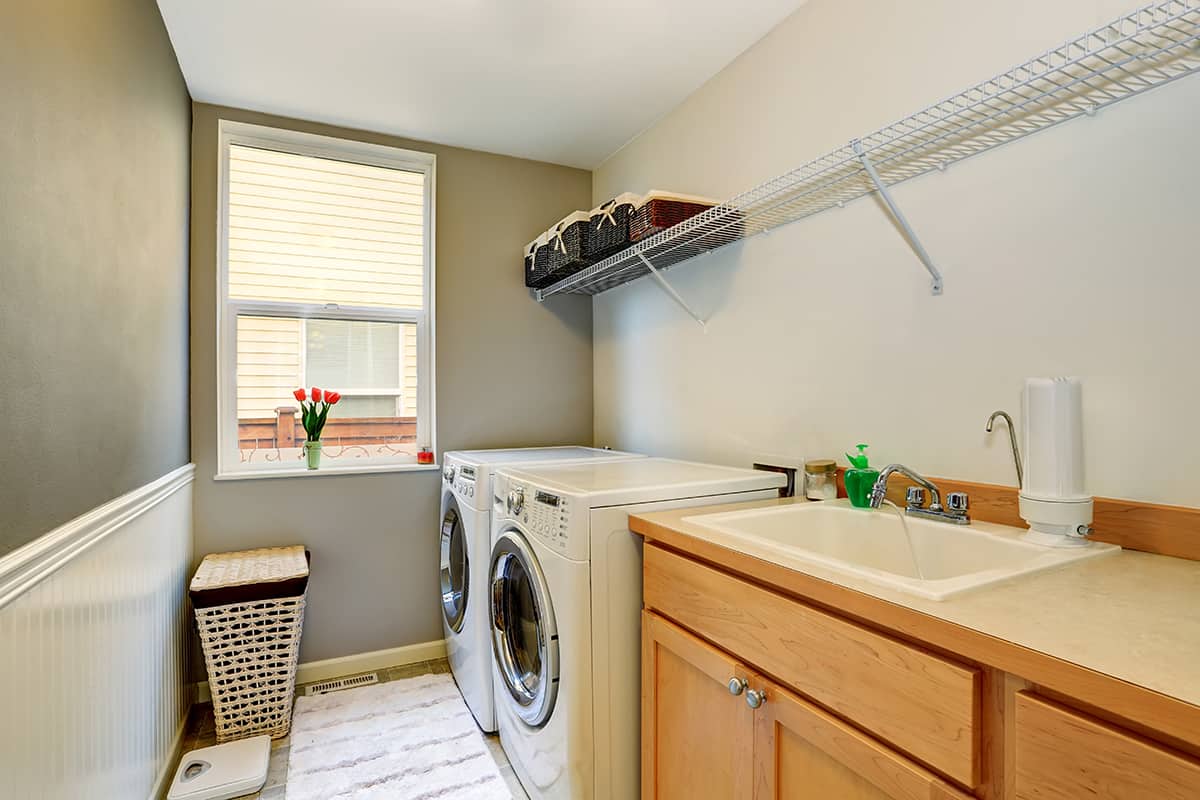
1053, 411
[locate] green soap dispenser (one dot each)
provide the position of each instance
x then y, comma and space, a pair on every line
861, 479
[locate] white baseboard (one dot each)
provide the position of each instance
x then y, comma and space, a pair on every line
166, 772
360, 662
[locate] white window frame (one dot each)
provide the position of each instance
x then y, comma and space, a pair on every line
228, 309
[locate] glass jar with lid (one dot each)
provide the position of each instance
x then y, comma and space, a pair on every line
820, 479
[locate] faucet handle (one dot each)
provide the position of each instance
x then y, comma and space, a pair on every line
957, 502
914, 497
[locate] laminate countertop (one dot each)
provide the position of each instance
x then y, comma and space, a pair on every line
1131, 616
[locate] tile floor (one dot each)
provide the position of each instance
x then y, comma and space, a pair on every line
201, 732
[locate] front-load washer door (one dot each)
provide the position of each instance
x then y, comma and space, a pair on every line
524, 636
455, 567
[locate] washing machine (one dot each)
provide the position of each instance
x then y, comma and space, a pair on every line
566, 599
464, 535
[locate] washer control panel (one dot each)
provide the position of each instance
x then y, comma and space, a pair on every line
548, 515
544, 514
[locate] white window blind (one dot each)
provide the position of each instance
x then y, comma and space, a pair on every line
313, 230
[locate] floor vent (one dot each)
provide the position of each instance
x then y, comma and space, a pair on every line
337, 684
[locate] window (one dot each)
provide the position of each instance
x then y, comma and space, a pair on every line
325, 279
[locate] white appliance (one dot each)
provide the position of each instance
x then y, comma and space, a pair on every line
566, 600
465, 543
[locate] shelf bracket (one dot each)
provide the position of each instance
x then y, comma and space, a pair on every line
909, 233
666, 287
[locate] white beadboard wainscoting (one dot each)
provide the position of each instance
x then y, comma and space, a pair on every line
92, 634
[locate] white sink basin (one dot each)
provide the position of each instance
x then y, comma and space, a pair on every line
943, 559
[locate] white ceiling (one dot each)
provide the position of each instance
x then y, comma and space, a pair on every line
566, 81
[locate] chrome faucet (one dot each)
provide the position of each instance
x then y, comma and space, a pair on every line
914, 504
1012, 440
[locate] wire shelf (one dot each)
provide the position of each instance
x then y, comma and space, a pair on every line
1145, 48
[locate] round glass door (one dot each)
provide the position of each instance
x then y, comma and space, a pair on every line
524, 637
455, 568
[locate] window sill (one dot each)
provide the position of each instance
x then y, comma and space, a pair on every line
327, 471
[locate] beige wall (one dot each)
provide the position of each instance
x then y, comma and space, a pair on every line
94, 127
1071, 252
509, 372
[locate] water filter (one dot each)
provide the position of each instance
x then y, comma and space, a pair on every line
1054, 500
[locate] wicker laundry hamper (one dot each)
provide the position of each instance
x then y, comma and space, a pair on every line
249, 612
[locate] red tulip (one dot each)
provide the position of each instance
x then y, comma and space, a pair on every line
299, 395
332, 397
316, 394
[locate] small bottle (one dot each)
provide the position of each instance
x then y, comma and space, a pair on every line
820, 479
425, 455
861, 479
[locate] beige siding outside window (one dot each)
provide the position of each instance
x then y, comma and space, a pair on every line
325, 282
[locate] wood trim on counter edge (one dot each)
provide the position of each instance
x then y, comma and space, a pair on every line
1149, 527
1175, 718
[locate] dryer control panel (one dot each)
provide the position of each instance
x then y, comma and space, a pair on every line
542, 513
465, 484
460, 478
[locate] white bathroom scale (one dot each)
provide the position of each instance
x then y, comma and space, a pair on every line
223, 771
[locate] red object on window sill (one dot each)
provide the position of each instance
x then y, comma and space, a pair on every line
425, 456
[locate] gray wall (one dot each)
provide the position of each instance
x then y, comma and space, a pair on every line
509, 372
94, 129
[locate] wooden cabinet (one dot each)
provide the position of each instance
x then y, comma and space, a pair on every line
854, 713
702, 742
920, 702
1063, 754
697, 738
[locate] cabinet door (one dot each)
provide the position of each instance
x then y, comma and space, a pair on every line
803, 753
697, 739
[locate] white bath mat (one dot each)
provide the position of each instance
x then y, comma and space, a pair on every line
412, 739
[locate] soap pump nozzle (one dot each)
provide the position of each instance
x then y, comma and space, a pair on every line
859, 461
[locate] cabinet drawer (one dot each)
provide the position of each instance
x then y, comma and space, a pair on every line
923, 704
1062, 754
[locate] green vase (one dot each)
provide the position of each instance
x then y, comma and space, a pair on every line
859, 483
312, 451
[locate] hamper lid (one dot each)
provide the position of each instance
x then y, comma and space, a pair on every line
264, 565
248, 576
